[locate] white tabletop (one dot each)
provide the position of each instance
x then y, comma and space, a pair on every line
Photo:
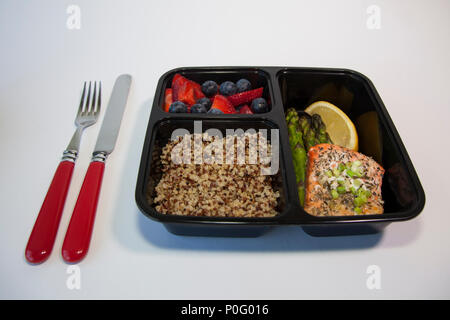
402, 46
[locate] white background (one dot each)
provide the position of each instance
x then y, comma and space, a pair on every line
43, 65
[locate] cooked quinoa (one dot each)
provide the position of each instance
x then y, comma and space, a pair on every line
212, 189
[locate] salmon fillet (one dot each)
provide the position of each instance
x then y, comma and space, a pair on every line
326, 174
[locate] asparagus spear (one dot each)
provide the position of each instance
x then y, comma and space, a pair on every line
321, 133
300, 158
304, 132
319, 128
304, 124
293, 119
293, 136
310, 137
289, 113
292, 127
308, 131
298, 153
315, 120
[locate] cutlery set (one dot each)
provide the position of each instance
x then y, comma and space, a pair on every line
79, 231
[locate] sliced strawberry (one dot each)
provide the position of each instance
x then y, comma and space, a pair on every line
167, 99
186, 93
245, 110
220, 102
178, 82
186, 90
198, 93
213, 97
245, 97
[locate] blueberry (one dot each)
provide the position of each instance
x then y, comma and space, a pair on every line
243, 85
206, 102
215, 111
178, 107
198, 108
259, 105
209, 88
228, 88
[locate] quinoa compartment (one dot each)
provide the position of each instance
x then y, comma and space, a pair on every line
208, 186
202, 185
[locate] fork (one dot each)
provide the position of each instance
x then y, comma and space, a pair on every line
42, 237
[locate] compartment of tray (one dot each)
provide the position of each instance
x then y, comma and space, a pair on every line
150, 174
354, 94
258, 77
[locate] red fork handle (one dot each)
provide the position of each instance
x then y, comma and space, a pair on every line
78, 235
42, 237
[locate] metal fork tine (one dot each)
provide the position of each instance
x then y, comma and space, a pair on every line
94, 96
88, 99
80, 109
99, 101
87, 112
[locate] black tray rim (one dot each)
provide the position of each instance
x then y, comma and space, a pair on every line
277, 109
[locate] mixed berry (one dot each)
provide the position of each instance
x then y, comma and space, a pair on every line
187, 96
198, 108
243, 85
178, 107
228, 88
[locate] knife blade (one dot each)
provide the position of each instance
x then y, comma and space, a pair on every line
79, 232
111, 123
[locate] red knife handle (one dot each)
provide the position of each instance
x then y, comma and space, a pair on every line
42, 237
78, 235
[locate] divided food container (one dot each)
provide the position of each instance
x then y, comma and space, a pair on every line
286, 87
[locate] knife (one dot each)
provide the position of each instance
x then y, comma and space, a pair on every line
79, 231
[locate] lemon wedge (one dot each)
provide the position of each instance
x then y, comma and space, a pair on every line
341, 129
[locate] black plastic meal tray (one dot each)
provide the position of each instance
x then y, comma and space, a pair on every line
286, 87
